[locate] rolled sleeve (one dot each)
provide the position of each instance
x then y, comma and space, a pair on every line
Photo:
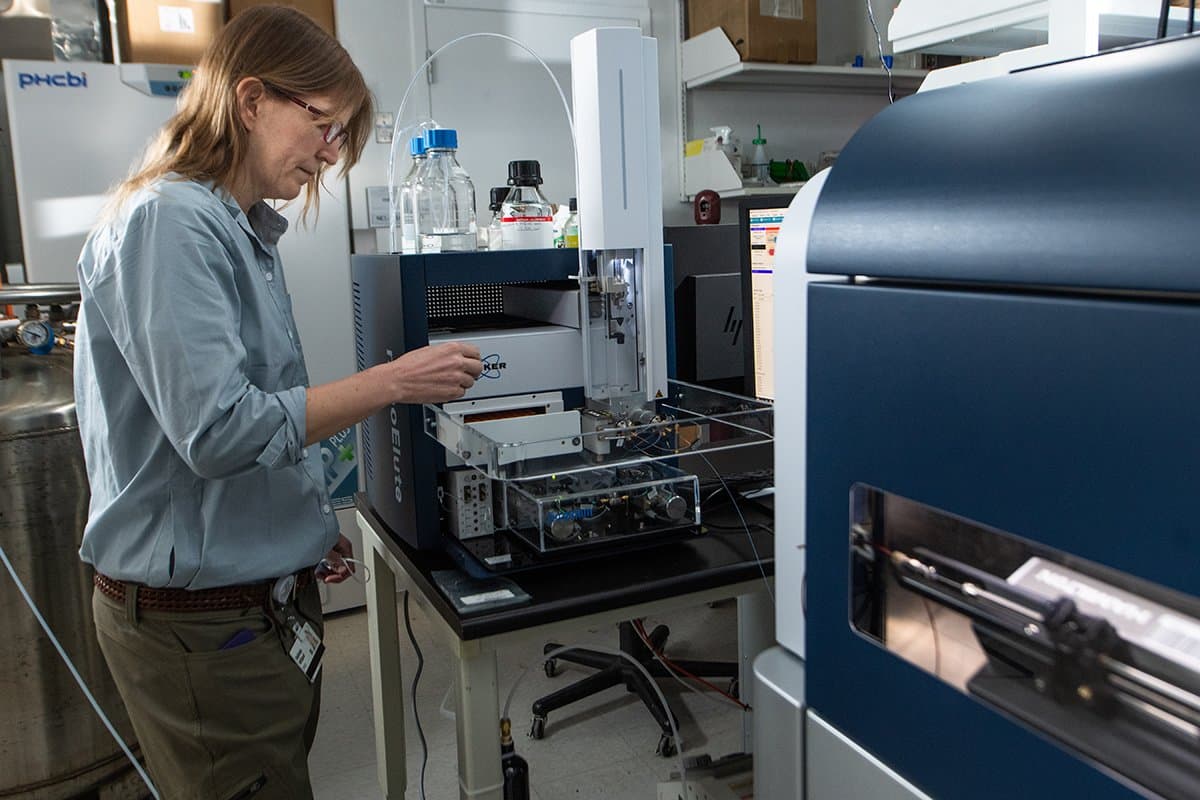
287, 445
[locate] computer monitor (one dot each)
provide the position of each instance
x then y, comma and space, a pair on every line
759, 219
708, 304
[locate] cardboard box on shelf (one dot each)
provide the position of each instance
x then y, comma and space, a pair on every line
168, 32
320, 10
783, 31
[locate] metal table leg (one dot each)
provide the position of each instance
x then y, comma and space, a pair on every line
478, 723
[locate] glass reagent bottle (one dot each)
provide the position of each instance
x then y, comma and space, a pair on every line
526, 221
445, 197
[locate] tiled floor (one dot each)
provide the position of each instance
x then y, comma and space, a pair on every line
597, 749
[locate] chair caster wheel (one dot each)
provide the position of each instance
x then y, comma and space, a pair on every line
538, 729
666, 746
550, 665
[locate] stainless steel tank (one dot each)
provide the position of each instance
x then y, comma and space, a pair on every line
52, 745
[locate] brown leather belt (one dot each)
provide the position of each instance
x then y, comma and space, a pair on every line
219, 599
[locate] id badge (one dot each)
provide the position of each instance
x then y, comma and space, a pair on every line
307, 649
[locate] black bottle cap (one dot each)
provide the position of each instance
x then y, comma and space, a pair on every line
572, 205
524, 173
498, 195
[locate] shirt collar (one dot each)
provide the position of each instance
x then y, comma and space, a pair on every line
262, 222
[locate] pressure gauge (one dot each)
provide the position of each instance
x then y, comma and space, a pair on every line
36, 335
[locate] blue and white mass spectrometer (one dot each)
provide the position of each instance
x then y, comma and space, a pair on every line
992, 404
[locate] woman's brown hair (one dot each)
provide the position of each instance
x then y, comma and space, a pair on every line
205, 139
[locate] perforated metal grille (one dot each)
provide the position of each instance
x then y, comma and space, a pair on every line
360, 348
360, 353
464, 301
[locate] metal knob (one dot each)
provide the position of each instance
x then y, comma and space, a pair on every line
562, 529
672, 506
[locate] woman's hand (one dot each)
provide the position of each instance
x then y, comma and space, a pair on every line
334, 568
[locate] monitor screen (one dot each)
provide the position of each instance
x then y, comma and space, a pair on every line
762, 227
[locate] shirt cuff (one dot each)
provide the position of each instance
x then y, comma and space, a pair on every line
287, 445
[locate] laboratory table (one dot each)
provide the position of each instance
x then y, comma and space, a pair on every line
608, 588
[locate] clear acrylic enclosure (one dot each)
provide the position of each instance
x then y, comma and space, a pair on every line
601, 505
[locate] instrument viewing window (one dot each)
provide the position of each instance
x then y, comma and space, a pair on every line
1104, 663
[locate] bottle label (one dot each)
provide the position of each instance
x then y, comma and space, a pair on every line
527, 233
525, 221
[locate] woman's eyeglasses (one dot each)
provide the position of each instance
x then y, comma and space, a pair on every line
332, 133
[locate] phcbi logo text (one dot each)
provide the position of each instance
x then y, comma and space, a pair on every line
63, 80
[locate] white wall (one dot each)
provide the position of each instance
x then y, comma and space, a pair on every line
378, 35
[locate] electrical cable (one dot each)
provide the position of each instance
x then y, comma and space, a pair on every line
75, 674
653, 444
359, 578
757, 479
710, 496
674, 670
556, 652
757, 558
879, 44
417, 717
757, 526
677, 677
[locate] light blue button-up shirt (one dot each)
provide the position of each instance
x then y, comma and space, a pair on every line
190, 391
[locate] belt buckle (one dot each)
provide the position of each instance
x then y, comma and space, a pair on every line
283, 589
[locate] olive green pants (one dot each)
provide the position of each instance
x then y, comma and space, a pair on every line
213, 723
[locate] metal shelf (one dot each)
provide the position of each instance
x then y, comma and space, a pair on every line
756, 191
710, 60
936, 26
809, 77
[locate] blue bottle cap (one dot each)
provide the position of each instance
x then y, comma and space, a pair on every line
445, 138
416, 146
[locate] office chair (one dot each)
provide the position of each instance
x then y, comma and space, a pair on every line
613, 670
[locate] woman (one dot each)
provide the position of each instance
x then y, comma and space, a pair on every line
209, 509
